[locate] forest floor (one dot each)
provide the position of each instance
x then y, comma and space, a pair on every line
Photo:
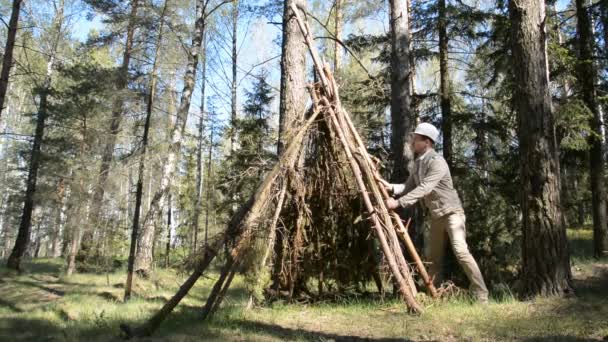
43, 305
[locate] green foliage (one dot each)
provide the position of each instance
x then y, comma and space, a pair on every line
255, 154
573, 130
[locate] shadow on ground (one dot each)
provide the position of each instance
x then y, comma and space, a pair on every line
587, 310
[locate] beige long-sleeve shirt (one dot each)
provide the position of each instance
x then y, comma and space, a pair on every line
430, 180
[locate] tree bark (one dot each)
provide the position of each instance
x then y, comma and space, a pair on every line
142, 158
59, 210
4, 226
209, 186
199, 151
233, 85
401, 118
446, 105
587, 76
23, 235
293, 94
122, 82
293, 97
546, 259
7, 60
168, 246
67, 206
75, 230
338, 25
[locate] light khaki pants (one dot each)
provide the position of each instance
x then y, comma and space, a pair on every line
453, 225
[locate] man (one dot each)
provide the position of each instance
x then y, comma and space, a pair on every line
431, 181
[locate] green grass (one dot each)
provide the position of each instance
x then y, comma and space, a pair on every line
44, 305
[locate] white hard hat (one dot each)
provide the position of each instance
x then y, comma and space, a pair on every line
427, 130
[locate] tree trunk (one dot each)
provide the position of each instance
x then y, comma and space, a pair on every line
3, 201
446, 106
208, 206
59, 210
142, 157
168, 246
74, 233
23, 235
199, 152
233, 85
67, 206
35, 253
122, 82
292, 104
143, 258
293, 96
339, 23
7, 60
401, 118
587, 77
546, 259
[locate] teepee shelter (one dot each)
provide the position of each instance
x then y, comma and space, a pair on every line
259, 216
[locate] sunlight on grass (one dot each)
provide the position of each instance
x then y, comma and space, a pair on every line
44, 304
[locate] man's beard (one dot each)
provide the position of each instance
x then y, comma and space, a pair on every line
408, 153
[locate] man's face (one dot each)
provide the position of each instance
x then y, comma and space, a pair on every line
420, 144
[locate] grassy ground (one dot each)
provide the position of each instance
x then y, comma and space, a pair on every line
42, 305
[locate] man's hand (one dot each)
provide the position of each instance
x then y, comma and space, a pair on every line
392, 203
384, 183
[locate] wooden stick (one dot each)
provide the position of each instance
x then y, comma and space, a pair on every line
403, 286
217, 287
383, 211
400, 273
258, 202
369, 170
154, 322
401, 229
313, 51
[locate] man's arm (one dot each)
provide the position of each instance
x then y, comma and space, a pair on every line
434, 174
400, 189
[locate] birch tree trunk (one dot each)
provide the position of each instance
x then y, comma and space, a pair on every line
143, 257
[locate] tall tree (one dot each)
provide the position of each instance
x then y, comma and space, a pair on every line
209, 200
23, 236
604, 19
293, 74
546, 259
168, 245
292, 102
7, 59
401, 118
144, 257
444, 91
338, 28
234, 83
587, 76
199, 150
59, 214
142, 158
122, 81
